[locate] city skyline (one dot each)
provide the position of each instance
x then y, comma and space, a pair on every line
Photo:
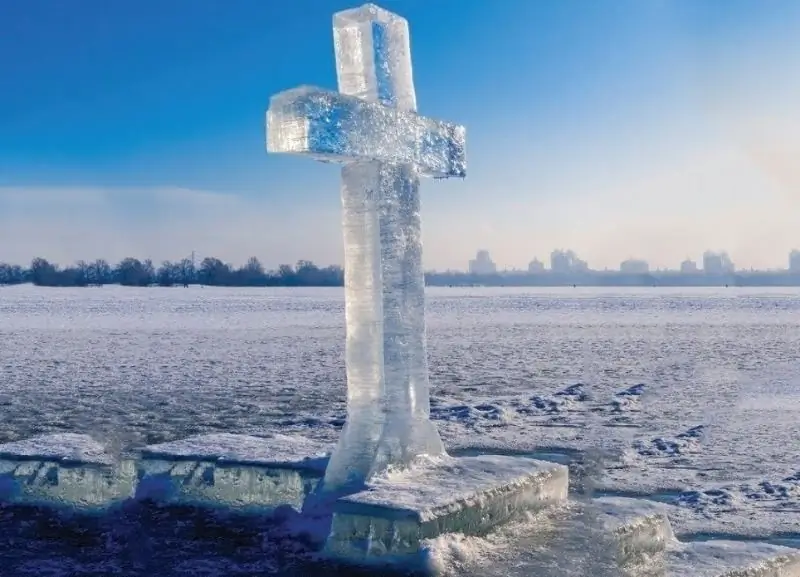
568, 261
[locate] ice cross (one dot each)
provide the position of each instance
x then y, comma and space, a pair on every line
372, 128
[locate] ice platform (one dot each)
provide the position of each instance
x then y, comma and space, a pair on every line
233, 472
731, 559
639, 528
647, 547
64, 471
468, 495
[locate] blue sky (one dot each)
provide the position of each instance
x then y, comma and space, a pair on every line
619, 128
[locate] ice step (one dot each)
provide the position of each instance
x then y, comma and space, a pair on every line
64, 470
603, 537
468, 495
238, 472
731, 559
640, 527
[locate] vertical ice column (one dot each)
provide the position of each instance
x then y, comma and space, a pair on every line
373, 56
373, 62
409, 431
353, 458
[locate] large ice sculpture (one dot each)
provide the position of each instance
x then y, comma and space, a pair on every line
371, 127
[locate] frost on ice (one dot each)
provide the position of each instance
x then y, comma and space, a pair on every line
372, 128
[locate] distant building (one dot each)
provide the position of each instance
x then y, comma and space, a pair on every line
794, 261
717, 263
566, 262
535, 266
688, 267
634, 266
482, 264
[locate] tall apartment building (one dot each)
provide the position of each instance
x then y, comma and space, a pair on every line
634, 266
717, 263
482, 264
566, 262
688, 266
535, 266
794, 261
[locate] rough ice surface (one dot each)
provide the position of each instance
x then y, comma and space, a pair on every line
334, 127
280, 451
64, 471
372, 127
640, 527
239, 472
468, 495
681, 344
731, 559
62, 447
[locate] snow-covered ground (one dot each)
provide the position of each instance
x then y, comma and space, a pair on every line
688, 396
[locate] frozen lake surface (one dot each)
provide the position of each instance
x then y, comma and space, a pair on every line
688, 396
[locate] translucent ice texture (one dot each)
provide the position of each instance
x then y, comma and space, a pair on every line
333, 127
373, 56
246, 488
272, 450
59, 447
640, 529
90, 488
372, 127
227, 470
388, 392
63, 470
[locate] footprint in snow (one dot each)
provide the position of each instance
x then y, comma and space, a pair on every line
576, 392
684, 443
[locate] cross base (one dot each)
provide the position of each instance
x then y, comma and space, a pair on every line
390, 520
396, 520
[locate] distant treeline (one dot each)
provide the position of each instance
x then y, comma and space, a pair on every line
134, 272
214, 272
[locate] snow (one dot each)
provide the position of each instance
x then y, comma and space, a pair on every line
733, 559
135, 367
442, 486
62, 447
275, 450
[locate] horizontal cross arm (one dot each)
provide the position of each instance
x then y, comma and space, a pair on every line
334, 127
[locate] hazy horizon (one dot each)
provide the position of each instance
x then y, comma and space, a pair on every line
652, 130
